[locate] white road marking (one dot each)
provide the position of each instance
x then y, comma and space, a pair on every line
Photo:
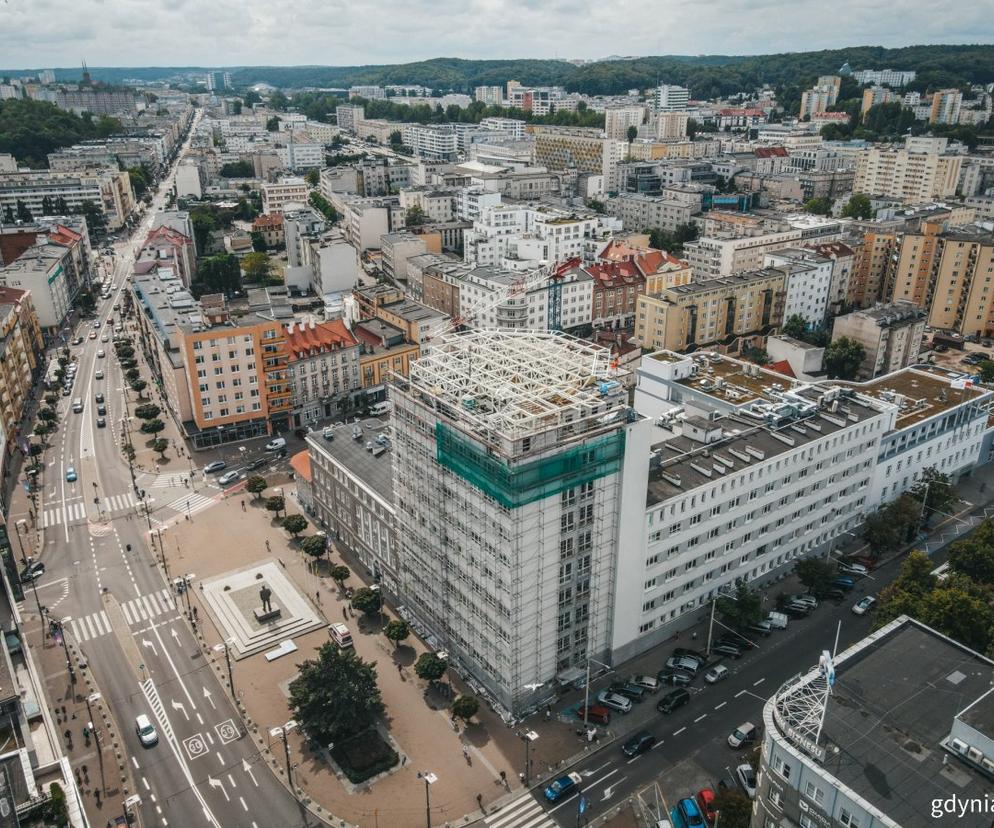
134, 762
678, 732
719, 706
699, 718
741, 692
758, 682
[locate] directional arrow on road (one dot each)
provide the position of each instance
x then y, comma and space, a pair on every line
216, 783
175, 634
207, 695
248, 769
147, 643
588, 773
609, 790
179, 706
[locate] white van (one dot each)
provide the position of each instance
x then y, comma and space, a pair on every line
77, 405
379, 409
340, 634
276, 444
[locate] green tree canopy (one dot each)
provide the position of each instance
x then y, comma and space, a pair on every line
816, 575
275, 504
340, 574
396, 631
316, 546
735, 808
415, 216
795, 326
429, 667
858, 207
160, 447
465, 707
742, 609
843, 358
295, 524
256, 485
218, 274
148, 411
152, 426
818, 206
673, 241
257, 267
335, 695
934, 490
367, 601
973, 556
30, 130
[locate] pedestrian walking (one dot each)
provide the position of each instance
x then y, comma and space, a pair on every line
243, 505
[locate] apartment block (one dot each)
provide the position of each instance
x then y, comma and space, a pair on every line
645, 212
670, 98
323, 369
21, 357
910, 176
870, 281
166, 244
891, 336
288, 190
719, 309
434, 142
106, 188
727, 253
946, 105
398, 249
821, 96
807, 283
223, 369
582, 150
489, 95
617, 120
892, 77
528, 233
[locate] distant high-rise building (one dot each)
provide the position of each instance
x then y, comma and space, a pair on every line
670, 98
218, 81
821, 96
47, 76
489, 95
617, 120
891, 77
946, 105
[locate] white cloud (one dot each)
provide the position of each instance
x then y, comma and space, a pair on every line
250, 32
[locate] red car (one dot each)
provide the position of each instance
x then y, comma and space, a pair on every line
597, 714
705, 801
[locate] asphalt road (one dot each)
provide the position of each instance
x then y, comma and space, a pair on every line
697, 731
102, 581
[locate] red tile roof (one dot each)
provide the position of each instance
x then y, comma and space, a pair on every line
64, 236
652, 261
832, 249
318, 337
169, 235
771, 152
301, 463
782, 367
268, 221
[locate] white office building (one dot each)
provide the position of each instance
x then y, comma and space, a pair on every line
807, 283
670, 98
438, 143
522, 235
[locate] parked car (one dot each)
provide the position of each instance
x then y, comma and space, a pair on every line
216, 466
101, 422
737, 640
639, 744
761, 628
730, 650
843, 582
101, 353
716, 674
102, 410
677, 678
778, 620
864, 605
99, 374
563, 786
690, 813
746, 777
71, 474
805, 598
227, 477
276, 444
795, 610
77, 341
673, 700
682, 652
689, 665
33, 571
705, 801
854, 569
743, 736
596, 714
631, 691
620, 703
835, 595
99, 397
256, 464
648, 682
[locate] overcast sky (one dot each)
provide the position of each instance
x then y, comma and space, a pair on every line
44, 33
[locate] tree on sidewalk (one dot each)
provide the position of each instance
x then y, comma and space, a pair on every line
934, 490
367, 601
160, 447
275, 504
335, 696
735, 808
314, 546
132, 374
152, 426
741, 610
148, 411
429, 667
256, 485
47, 414
340, 574
397, 631
138, 386
295, 524
816, 575
465, 707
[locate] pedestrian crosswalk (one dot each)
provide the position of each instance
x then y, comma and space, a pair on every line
136, 611
55, 515
192, 503
163, 481
116, 503
524, 812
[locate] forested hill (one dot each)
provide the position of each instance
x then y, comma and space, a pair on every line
707, 76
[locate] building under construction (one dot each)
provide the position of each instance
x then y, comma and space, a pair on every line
509, 449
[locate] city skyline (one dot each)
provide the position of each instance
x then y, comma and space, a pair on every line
55, 32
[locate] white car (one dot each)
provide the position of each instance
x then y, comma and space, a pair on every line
105, 338
746, 777
716, 674
101, 353
863, 605
614, 701
858, 570
146, 731
228, 477
99, 375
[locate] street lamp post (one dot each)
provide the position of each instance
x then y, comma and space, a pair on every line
17, 530
527, 737
283, 731
94, 698
227, 658
586, 690
714, 603
430, 779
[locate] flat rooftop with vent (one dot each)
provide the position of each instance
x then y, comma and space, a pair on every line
909, 720
918, 394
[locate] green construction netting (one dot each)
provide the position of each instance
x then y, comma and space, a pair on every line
518, 485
